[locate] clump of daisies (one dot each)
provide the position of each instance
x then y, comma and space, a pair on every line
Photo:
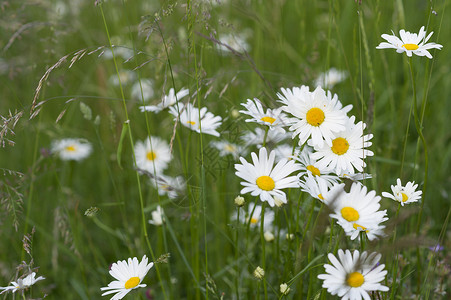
71, 149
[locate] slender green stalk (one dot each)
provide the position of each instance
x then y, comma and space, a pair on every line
237, 251
263, 245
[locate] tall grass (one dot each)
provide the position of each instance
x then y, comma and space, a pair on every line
71, 220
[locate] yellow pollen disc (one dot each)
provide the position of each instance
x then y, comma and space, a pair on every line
410, 46
315, 116
314, 170
151, 155
404, 197
355, 279
132, 282
254, 220
340, 146
265, 183
321, 196
357, 226
349, 214
268, 119
230, 148
191, 122
70, 148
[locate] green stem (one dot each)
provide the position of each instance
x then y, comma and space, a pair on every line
263, 244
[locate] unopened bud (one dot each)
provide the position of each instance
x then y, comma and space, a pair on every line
269, 237
259, 273
239, 201
284, 289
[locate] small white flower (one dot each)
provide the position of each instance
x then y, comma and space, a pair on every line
357, 210
196, 120
404, 194
167, 101
347, 150
266, 180
352, 276
152, 155
173, 187
71, 149
259, 273
285, 151
410, 43
269, 236
129, 275
119, 51
157, 217
235, 41
225, 148
142, 91
256, 137
284, 289
254, 216
317, 115
316, 186
274, 118
125, 77
330, 78
22, 284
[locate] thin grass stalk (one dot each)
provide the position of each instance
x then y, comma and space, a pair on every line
141, 201
237, 251
263, 245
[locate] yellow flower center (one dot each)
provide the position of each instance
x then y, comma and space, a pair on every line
191, 122
357, 226
151, 155
315, 116
132, 282
404, 197
314, 170
410, 46
70, 148
265, 183
254, 220
355, 279
321, 196
230, 148
349, 214
340, 146
268, 119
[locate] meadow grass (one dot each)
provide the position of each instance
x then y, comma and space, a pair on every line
63, 74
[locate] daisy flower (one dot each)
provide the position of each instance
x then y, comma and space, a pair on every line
330, 78
157, 217
353, 275
274, 118
308, 165
410, 43
22, 284
285, 151
357, 211
347, 150
173, 187
404, 194
193, 119
225, 148
71, 149
257, 136
152, 155
317, 115
235, 41
254, 214
125, 77
316, 186
264, 179
129, 275
167, 101
142, 91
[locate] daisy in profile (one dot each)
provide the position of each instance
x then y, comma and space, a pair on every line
196, 120
22, 283
129, 275
410, 43
264, 179
316, 186
404, 194
225, 148
142, 91
353, 275
157, 217
347, 150
152, 155
173, 187
71, 149
257, 136
317, 115
330, 78
167, 101
357, 211
274, 118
